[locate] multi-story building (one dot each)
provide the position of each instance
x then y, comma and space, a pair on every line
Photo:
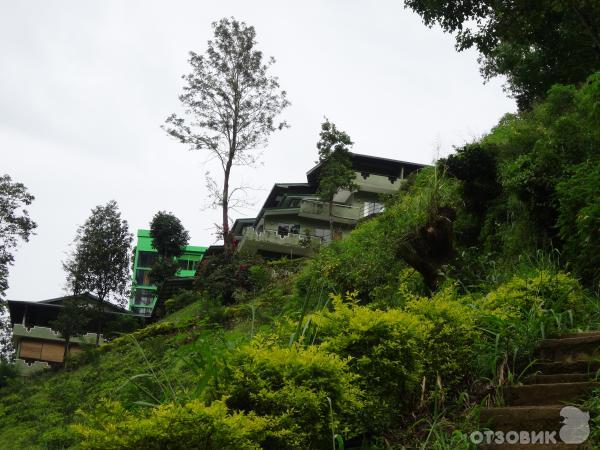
294, 221
143, 292
38, 346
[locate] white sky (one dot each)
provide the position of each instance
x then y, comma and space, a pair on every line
85, 86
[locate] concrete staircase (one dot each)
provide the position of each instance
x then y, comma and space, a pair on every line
565, 374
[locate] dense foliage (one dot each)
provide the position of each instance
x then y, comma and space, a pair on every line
335, 165
394, 336
99, 262
15, 226
169, 238
533, 44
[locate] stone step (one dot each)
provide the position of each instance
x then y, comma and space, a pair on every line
536, 418
559, 378
554, 367
547, 394
579, 334
525, 418
570, 349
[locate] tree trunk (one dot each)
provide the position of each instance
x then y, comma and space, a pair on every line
430, 247
331, 220
227, 238
99, 322
66, 353
227, 241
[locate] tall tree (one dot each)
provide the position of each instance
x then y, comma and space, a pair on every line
99, 262
169, 237
335, 173
15, 226
71, 322
231, 102
535, 44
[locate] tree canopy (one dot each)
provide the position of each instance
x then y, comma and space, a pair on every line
169, 237
230, 103
533, 44
15, 223
100, 259
15, 226
335, 172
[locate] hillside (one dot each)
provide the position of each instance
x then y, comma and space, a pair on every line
392, 338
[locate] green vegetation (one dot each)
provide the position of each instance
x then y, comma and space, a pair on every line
169, 238
15, 226
335, 171
231, 102
391, 338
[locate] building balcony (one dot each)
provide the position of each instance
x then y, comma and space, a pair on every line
315, 209
378, 184
271, 241
48, 334
26, 369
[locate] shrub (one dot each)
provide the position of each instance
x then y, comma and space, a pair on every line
360, 262
579, 220
291, 387
518, 313
181, 300
220, 276
383, 348
7, 373
170, 426
541, 290
448, 348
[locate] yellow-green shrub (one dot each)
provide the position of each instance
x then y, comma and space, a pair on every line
451, 331
383, 348
291, 387
542, 290
170, 426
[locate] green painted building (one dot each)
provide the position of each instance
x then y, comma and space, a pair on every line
143, 293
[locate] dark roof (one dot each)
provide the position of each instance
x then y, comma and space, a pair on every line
280, 189
240, 224
372, 164
214, 250
87, 296
51, 307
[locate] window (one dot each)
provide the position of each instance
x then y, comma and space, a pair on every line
142, 277
144, 297
371, 208
146, 259
144, 311
187, 264
283, 229
294, 203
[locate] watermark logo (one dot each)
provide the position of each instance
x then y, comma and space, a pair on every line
574, 429
575, 425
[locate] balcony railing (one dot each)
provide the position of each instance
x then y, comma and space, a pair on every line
371, 208
272, 240
49, 334
317, 209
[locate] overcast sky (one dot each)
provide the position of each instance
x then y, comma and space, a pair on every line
85, 86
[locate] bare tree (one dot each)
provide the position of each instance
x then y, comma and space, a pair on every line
231, 102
